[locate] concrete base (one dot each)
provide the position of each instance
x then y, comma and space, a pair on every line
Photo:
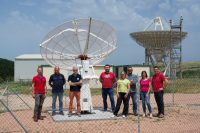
97, 114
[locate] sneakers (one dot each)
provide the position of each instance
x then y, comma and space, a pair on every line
79, 114
70, 114
161, 116
40, 118
150, 115
124, 116
61, 113
144, 115
53, 113
104, 110
156, 115
114, 116
35, 119
135, 114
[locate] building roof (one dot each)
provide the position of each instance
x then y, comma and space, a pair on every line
29, 56
35, 57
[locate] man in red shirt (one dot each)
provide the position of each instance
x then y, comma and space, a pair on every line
158, 88
38, 93
107, 79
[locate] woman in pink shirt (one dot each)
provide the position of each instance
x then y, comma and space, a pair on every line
145, 93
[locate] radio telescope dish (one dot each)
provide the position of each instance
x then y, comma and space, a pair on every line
80, 39
82, 43
162, 43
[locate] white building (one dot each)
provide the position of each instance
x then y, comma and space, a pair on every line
26, 67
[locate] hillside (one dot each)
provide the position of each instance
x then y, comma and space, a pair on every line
6, 70
191, 66
191, 69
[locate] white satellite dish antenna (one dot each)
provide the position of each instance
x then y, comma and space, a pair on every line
82, 43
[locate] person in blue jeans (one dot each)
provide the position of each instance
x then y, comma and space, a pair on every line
133, 90
56, 81
145, 93
107, 79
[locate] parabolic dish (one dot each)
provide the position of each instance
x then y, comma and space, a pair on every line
158, 39
66, 43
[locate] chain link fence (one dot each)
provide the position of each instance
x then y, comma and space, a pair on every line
16, 113
182, 111
182, 107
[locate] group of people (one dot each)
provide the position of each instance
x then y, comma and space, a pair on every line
56, 81
126, 88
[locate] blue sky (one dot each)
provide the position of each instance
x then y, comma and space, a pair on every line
24, 23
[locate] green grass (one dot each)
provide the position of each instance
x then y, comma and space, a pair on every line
189, 85
190, 65
25, 88
17, 87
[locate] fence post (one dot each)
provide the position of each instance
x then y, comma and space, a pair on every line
172, 88
7, 93
138, 103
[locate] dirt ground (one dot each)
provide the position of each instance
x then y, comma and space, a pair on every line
181, 117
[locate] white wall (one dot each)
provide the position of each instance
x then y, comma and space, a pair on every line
136, 70
26, 69
47, 71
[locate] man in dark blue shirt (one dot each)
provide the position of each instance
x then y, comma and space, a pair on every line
56, 81
75, 82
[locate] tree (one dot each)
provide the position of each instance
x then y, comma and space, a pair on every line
6, 69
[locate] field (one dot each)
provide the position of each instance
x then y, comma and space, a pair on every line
186, 85
182, 111
183, 116
191, 66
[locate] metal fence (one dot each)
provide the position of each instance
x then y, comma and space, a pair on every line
182, 112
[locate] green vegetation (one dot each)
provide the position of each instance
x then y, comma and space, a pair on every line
191, 65
17, 87
25, 88
191, 70
189, 84
6, 70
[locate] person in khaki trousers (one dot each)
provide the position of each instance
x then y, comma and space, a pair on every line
75, 82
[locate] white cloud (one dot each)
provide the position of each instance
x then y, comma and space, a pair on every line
165, 6
118, 13
20, 34
53, 12
121, 15
26, 28
27, 3
191, 15
57, 2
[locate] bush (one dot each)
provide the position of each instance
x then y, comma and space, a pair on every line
6, 69
1, 80
191, 73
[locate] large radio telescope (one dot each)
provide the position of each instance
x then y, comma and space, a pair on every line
162, 43
69, 43
82, 43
